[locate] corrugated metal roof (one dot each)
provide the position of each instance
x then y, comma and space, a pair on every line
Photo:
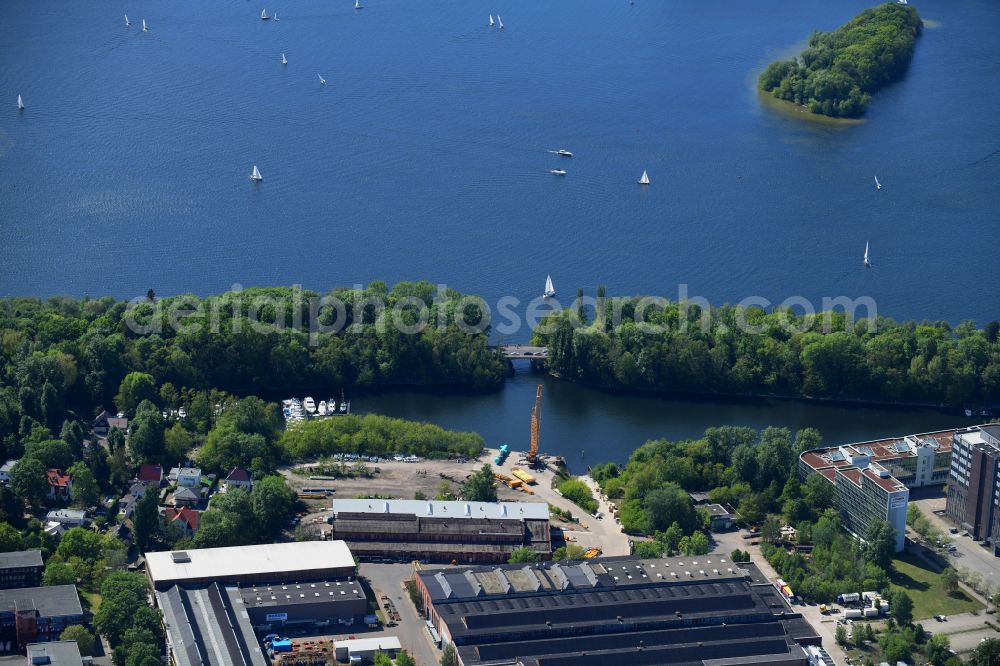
440, 509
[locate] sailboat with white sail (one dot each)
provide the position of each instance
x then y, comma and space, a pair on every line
128, 23
284, 60
500, 21
322, 81
491, 20
263, 15
644, 179
20, 103
550, 291
357, 4
255, 175
868, 262
878, 185
145, 28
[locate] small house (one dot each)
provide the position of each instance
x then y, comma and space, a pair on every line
67, 517
238, 478
150, 474
721, 517
189, 477
188, 497
60, 485
104, 422
185, 519
5, 471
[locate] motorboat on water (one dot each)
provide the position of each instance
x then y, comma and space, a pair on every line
322, 410
309, 404
562, 152
557, 172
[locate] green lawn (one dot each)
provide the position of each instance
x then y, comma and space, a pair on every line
93, 600
923, 584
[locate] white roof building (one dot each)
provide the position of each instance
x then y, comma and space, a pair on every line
275, 562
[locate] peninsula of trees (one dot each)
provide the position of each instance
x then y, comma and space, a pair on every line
839, 70
732, 350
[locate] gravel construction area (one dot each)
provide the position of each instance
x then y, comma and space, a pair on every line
401, 480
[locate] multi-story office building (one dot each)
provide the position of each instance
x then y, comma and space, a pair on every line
974, 482
36, 615
21, 569
873, 479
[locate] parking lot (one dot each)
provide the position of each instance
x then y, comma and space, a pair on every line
968, 553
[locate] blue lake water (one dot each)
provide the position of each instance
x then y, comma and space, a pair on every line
425, 155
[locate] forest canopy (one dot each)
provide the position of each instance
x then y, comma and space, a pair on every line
838, 72
747, 351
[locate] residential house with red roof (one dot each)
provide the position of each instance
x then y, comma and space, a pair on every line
60, 485
186, 520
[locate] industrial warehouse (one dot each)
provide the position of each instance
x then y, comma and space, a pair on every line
436, 531
618, 610
268, 563
214, 600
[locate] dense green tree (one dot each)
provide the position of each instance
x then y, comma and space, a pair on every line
901, 607
146, 440
570, 551
880, 544
229, 521
986, 653
10, 538
135, 388
579, 493
838, 71
85, 490
448, 656
85, 640
375, 434
949, 579
123, 605
826, 355
819, 491
669, 504
840, 635
523, 554
72, 434
272, 502
481, 486
146, 519
116, 440
647, 550
52, 453
938, 649
177, 443
895, 647
29, 481
58, 572
404, 659
382, 659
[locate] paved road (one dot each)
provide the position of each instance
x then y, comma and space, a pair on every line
411, 632
600, 533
